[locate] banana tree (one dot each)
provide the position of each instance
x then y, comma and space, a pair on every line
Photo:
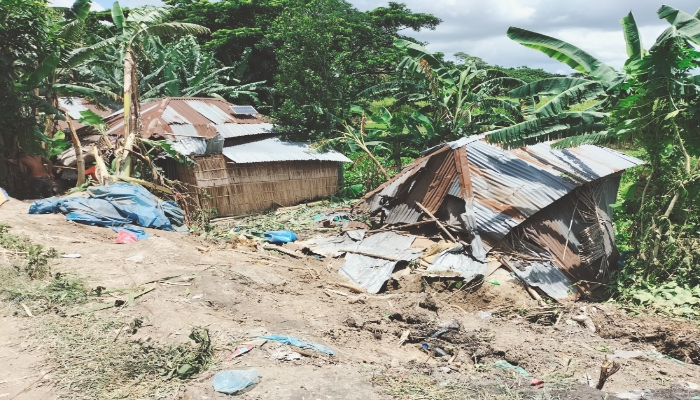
53, 75
132, 31
457, 102
546, 105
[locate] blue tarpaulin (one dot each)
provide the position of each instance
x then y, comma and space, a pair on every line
117, 206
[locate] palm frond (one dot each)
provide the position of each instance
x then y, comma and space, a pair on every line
176, 28
544, 129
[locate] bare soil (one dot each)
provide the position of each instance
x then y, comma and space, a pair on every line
236, 295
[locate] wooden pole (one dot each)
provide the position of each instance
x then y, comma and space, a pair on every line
383, 257
441, 226
427, 221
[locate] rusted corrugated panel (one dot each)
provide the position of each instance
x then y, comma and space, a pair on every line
441, 183
72, 106
170, 116
428, 180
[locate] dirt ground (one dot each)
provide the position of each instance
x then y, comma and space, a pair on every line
240, 293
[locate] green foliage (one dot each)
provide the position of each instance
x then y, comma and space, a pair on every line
29, 259
449, 103
61, 292
328, 52
525, 74
566, 53
57, 144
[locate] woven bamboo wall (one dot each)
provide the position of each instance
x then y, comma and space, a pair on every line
236, 189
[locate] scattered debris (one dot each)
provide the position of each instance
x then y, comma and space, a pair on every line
27, 310
125, 237
537, 383
608, 369
4, 197
296, 342
71, 256
232, 381
284, 355
505, 365
282, 250
585, 320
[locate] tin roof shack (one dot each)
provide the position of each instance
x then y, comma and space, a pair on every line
241, 167
260, 175
544, 213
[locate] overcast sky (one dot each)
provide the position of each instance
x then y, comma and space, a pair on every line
478, 27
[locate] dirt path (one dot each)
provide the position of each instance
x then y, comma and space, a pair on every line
235, 295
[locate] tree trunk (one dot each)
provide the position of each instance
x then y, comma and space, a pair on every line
376, 162
124, 158
80, 161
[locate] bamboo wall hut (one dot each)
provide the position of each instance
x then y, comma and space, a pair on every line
240, 166
260, 175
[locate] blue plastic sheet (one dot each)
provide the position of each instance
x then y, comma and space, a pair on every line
280, 236
293, 341
231, 381
117, 206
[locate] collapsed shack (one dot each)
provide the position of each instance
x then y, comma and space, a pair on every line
543, 213
240, 166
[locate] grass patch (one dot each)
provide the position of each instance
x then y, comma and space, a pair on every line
429, 388
28, 258
92, 356
88, 363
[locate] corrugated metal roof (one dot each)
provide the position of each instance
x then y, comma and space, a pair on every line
370, 272
72, 106
509, 186
238, 130
210, 112
175, 118
274, 149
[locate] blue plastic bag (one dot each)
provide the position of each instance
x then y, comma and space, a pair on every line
280, 236
232, 381
294, 341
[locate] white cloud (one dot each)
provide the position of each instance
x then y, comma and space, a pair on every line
69, 3
478, 27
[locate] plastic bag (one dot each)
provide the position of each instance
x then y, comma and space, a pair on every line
280, 236
294, 341
232, 381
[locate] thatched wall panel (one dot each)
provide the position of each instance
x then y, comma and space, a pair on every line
235, 189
